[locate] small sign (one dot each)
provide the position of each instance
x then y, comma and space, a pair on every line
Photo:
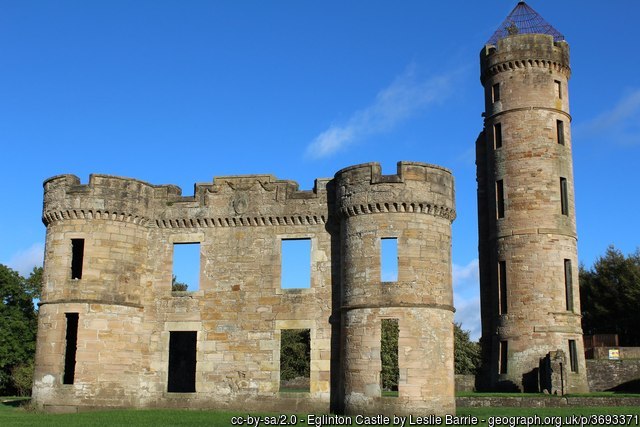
614, 354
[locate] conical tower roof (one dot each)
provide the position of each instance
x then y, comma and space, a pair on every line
524, 20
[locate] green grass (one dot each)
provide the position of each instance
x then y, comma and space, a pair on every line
496, 394
594, 394
605, 394
13, 414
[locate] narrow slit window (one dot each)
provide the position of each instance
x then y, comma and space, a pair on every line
564, 199
504, 352
186, 267
295, 264
558, 86
497, 136
502, 286
500, 198
70, 348
390, 374
182, 362
77, 258
560, 131
389, 259
495, 92
295, 360
573, 356
568, 284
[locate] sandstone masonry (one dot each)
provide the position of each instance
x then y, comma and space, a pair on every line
527, 232
124, 314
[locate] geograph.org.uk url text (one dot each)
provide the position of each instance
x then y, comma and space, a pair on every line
436, 420
566, 420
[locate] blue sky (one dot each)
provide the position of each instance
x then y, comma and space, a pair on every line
175, 92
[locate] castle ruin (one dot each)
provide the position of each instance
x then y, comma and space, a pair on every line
112, 333
107, 298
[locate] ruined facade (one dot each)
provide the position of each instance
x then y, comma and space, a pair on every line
112, 333
527, 225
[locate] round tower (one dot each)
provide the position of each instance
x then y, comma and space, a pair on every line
527, 229
91, 341
415, 208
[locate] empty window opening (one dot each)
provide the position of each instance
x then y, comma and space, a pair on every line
573, 356
70, 348
77, 256
568, 284
497, 136
295, 360
390, 374
495, 92
558, 86
500, 198
504, 352
389, 259
560, 131
564, 199
182, 362
186, 267
502, 286
296, 264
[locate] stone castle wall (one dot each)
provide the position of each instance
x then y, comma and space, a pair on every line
127, 310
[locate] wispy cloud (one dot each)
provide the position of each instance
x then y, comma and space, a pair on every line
24, 261
404, 97
620, 124
466, 296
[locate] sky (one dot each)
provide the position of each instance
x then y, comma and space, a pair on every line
174, 92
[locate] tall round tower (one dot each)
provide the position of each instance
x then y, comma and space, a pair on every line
527, 230
415, 208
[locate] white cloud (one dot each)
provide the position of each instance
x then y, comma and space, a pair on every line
394, 104
620, 124
468, 315
464, 275
24, 261
466, 297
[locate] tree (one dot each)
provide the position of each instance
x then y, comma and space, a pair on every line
389, 354
33, 283
295, 349
18, 323
466, 352
178, 286
610, 296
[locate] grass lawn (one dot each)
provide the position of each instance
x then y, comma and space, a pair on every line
593, 394
12, 414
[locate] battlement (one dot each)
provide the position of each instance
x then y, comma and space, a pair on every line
416, 187
100, 184
524, 50
264, 199
372, 172
240, 200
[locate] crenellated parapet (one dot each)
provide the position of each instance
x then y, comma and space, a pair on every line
229, 201
415, 188
525, 51
251, 200
247, 200
103, 197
